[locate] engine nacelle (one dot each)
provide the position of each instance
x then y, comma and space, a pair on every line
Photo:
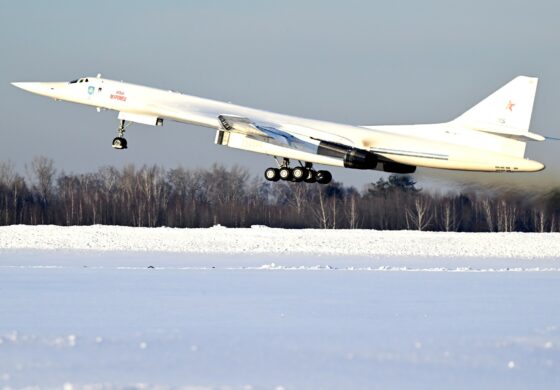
360, 159
352, 157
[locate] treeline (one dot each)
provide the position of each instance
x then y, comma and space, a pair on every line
152, 196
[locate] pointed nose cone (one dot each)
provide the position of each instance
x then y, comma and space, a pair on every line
46, 89
38, 88
29, 87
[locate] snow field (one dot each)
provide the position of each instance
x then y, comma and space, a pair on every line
263, 240
102, 307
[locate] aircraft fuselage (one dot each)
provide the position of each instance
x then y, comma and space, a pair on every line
446, 145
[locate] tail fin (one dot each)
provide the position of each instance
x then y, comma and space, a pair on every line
507, 112
510, 107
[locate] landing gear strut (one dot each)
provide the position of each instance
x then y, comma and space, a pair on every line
304, 173
120, 142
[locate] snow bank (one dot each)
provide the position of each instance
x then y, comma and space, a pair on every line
262, 240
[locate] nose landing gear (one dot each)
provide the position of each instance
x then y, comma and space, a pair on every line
120, 142
304, 173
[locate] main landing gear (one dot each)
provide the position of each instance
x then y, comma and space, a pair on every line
304, 173
120, 142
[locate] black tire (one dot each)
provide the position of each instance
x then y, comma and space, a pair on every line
311, 176
272, 174
324, 177
285, 173
299, 174
119, 143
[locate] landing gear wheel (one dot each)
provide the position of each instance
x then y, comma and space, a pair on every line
311, 176
324, 177
299, 174
285, 173
272, 174
119, 143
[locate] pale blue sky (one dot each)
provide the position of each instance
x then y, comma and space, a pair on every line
358, 62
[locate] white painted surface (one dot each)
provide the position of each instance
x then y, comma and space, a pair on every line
468, 143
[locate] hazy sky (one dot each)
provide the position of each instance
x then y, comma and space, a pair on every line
357, 62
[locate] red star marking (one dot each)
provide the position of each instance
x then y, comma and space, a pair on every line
510, 105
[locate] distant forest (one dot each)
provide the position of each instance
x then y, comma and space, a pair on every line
152, 196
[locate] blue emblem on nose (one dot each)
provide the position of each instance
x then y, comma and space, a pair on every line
91, 90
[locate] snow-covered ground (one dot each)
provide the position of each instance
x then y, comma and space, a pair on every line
111, 307
263, 240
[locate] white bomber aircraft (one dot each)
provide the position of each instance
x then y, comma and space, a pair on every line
490, 137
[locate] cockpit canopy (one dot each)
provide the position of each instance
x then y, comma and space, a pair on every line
82, 80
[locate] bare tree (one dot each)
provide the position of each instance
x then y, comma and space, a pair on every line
449, 215
42, 176
351, 208
540, 220
320, 210
506, 216
7, 178
488, 214
419, 214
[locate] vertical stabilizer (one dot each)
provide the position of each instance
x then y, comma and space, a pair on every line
507, 113
509, 108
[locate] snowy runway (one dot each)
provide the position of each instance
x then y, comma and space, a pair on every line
75, 318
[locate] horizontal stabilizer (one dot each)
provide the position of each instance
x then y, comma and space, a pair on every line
519, 136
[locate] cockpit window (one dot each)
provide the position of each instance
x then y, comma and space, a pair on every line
82, 80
